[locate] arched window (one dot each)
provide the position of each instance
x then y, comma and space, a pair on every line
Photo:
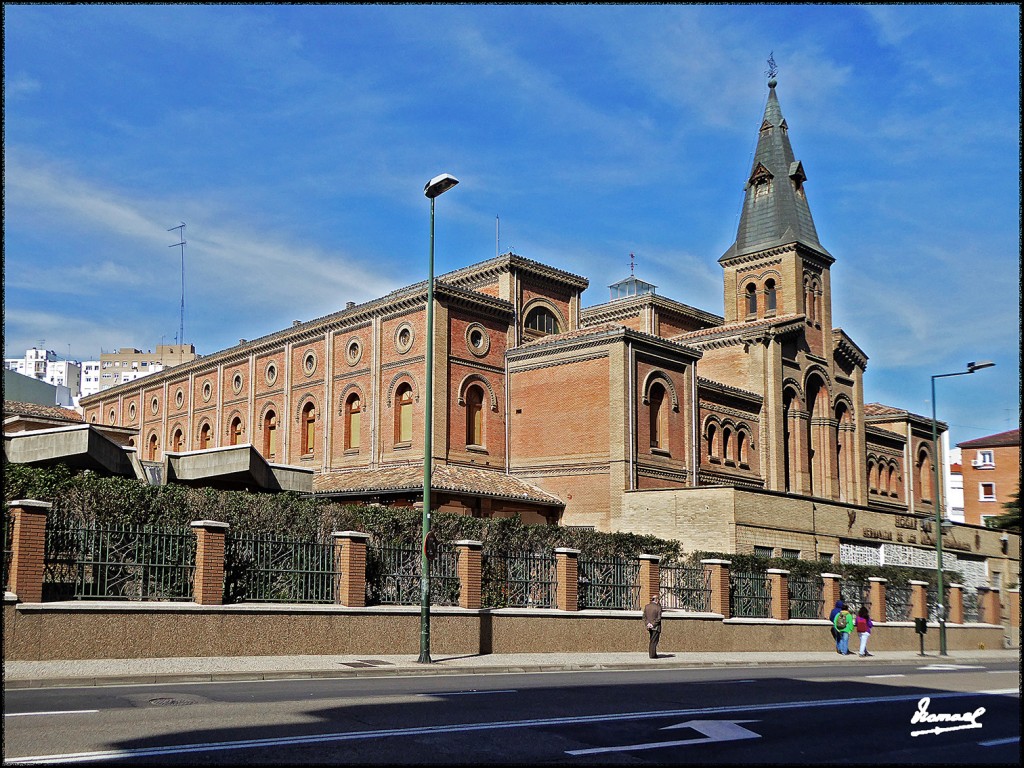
727, 453
308, 429
176, 440
659, 417
270, 435
741, 448
353, 421
893, 481
924, 464
872, 483
204, 437
152, 448
769, 296
541, 321
235, 431
474, 416
712, 442
751, 299
403, 415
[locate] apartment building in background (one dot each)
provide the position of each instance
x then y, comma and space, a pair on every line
991, 472
129, 364
44, 365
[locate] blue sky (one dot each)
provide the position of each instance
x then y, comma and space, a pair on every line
295, 141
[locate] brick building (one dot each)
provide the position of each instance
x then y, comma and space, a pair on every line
991, 474
739, 432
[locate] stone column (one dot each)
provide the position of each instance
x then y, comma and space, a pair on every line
956, 604
208, 584
566, 567
918, 599
350, 568
779, 580
830, 591
28, 549
878, 607
470, 573
719, 577
649, 579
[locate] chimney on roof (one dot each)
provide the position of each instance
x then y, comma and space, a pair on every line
296, 322
349, 304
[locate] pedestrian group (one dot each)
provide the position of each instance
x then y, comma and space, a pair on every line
844, 623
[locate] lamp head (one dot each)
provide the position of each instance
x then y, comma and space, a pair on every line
946, 524
439, 185
972, 367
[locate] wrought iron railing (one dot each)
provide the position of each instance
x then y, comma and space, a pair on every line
685, 588
806, 597
932, 601
973, 607
518, 581
608, 583
118, 562
8, 547
898, 603
750, 595
278, 569
855, 594
393, 575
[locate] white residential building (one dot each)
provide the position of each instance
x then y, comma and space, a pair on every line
44, 365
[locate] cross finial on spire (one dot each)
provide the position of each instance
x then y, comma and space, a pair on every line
631, 265
772, 70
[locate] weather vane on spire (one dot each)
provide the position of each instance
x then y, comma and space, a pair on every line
772, 69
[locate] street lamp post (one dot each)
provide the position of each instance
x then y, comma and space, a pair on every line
436, 186
971, 368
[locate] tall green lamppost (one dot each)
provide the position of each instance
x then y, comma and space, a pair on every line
436, 186
971, 368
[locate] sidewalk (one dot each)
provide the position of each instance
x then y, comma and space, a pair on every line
39, 674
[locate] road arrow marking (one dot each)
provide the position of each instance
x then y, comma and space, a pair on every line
713, 730
948, 667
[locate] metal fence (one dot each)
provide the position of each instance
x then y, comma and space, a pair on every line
685, 588
750, 595
277, 569
393, 575
974, 609
118, 562
8, 547
855, 594
898, 603
806, 597
932, 601
518, 581
608, 583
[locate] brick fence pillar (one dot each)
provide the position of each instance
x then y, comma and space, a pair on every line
779, 580
649, 579
993, 607
918, 599
718, 571
956, 604
208, 584
830, 592
1014, 600
471, 555
878, 608
28, 549
567, 570
350, 568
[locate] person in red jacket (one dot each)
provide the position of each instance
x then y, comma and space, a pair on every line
864, 625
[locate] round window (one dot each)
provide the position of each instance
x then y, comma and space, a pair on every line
179, 398
236, 383
478, 340
131, 411
207, 391
154, 405
271, 373
309, 363
113, 416
404, 338
353, 352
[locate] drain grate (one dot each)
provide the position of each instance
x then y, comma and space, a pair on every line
169, 702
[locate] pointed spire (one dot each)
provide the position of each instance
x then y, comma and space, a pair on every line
775, 210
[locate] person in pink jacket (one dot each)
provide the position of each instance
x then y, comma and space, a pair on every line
864, 625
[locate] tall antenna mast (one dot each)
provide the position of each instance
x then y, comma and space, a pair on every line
181, 244
497, 235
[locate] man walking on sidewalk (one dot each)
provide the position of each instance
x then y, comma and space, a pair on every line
652, 619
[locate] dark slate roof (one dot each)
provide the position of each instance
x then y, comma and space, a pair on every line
445, 477
780, 216
1001, 440
34, 410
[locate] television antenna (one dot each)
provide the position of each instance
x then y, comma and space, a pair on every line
181, 244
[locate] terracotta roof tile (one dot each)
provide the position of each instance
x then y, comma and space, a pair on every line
18, 408
446, 477
1000, 440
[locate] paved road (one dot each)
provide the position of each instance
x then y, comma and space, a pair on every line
783, 713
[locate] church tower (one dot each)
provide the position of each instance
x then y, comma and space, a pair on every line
776, 266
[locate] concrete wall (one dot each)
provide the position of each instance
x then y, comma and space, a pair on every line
79, 630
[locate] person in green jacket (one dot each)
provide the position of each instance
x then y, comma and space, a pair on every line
844, 626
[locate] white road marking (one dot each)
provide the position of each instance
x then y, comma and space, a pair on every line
999, 742
878, 677
466, 693
56, 712
431, 730
713, 730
